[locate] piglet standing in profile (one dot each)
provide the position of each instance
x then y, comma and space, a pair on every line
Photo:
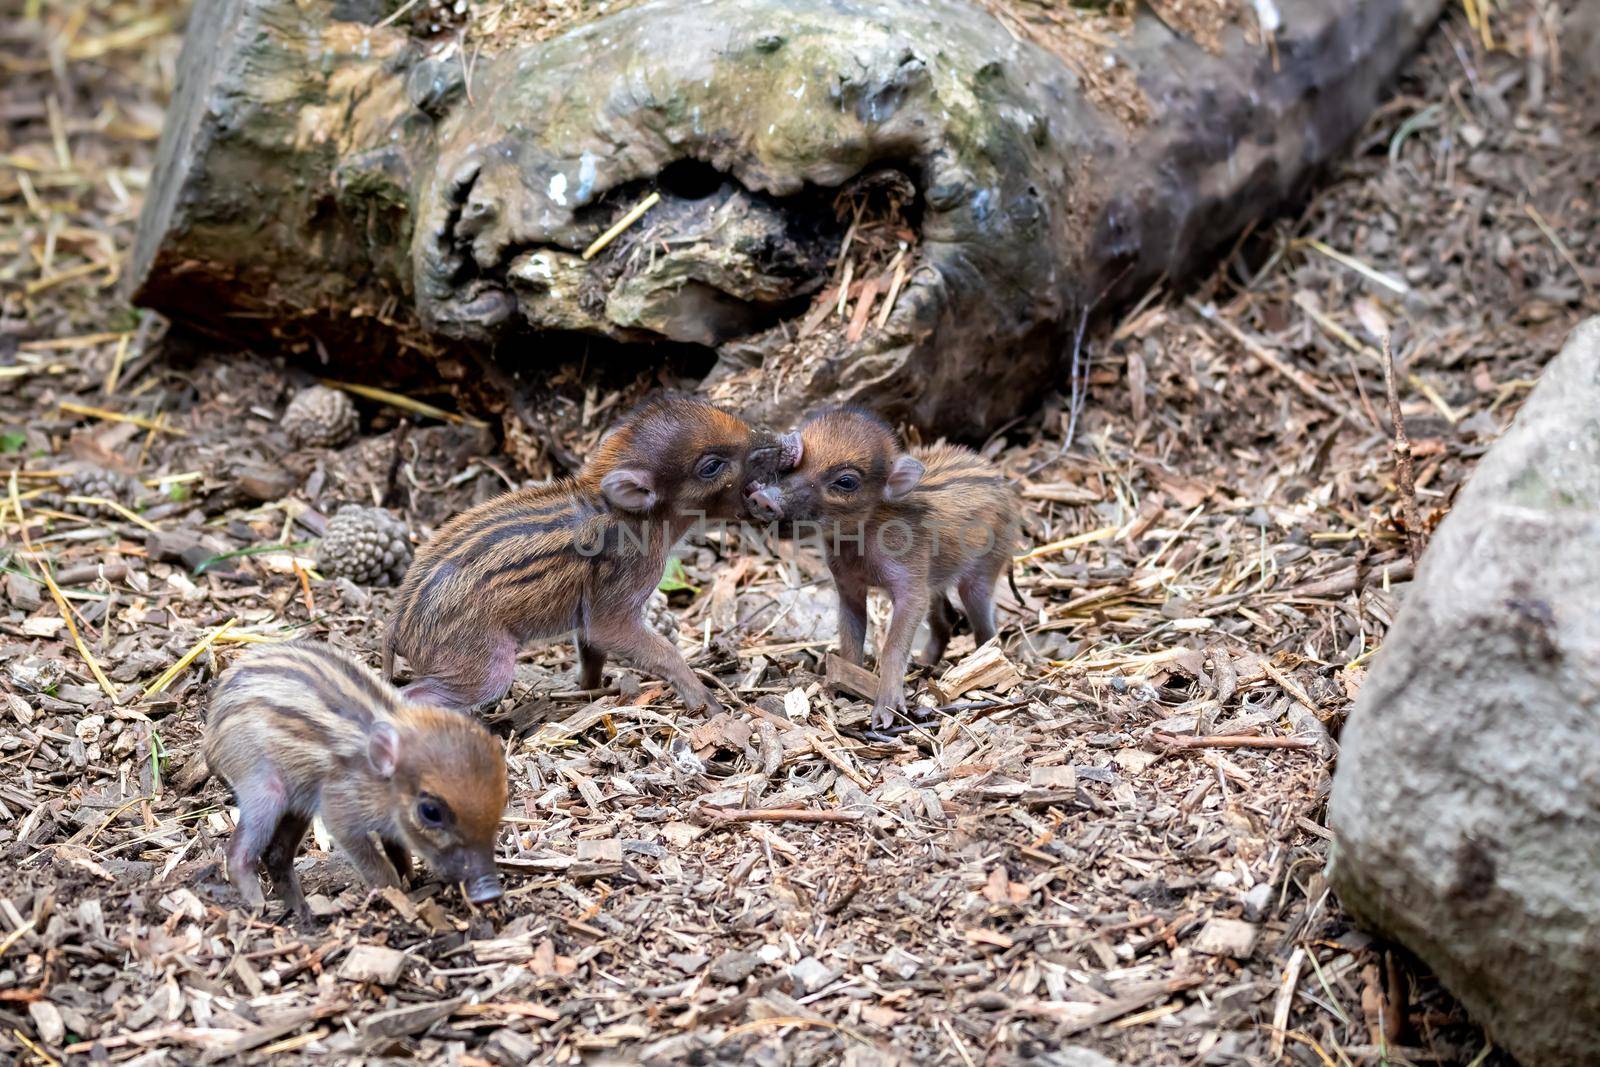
580, 554
915, 523
300, 730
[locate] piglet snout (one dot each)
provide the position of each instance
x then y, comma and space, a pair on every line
484, 888
766, 503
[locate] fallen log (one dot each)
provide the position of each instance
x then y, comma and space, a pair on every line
912, 204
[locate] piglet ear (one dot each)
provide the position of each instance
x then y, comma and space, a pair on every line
630, 489
903, 477
790, 451
383, 749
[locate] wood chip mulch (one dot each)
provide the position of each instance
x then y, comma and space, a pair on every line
1104, 845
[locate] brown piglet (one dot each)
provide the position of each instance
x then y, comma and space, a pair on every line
580, 554
915, 523
300, 730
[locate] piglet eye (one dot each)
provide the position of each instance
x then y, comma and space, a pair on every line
847, 483
429, 811
710, 467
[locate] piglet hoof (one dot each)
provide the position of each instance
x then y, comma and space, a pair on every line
700, 700
252, 899
884, 712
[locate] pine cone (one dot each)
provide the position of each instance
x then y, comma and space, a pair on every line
367, 545
659, 616
320, 417
101, 482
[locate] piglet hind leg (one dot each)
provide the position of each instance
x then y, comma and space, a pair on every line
471, 678
591, 664
279, 862
977, 598
628, 639
262, 801
941, 621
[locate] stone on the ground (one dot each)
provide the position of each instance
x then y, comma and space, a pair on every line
1467, 798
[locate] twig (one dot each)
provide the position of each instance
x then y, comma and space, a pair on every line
1145, 993
1075, 541
1265, 355
43, 1056
1280, 1007
404, 403
1388, 281
633, 216
955, 1040
61, 601
1402, 456
815, 742
790, 1020
1560, 245
131, 516
117, 416
395, 15
16, 935
305, 588
116, 364
778, 815
1397, 995
1233, 741
58, 344
172, 672
897, 269
1078, 381
1287, 685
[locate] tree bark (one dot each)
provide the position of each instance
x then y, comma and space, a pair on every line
331, 181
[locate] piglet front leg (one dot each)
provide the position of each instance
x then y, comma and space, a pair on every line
909, 600
627, 637
852, 590
355, 827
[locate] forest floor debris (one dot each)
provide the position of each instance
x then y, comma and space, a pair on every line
1115, 847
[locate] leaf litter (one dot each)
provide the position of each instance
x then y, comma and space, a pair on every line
1104, 842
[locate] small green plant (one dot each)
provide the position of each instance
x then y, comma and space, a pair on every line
124, 319
158, 760
675, 579
12, 441
254, 550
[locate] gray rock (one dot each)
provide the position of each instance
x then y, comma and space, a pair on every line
900, 963
378, 964
23, 592
812, 974
1258, 901
407, 1019
510, 1048
731, 967
688, 962
1467, 800
1073, 1056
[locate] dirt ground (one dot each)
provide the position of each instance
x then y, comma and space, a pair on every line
1054, 870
